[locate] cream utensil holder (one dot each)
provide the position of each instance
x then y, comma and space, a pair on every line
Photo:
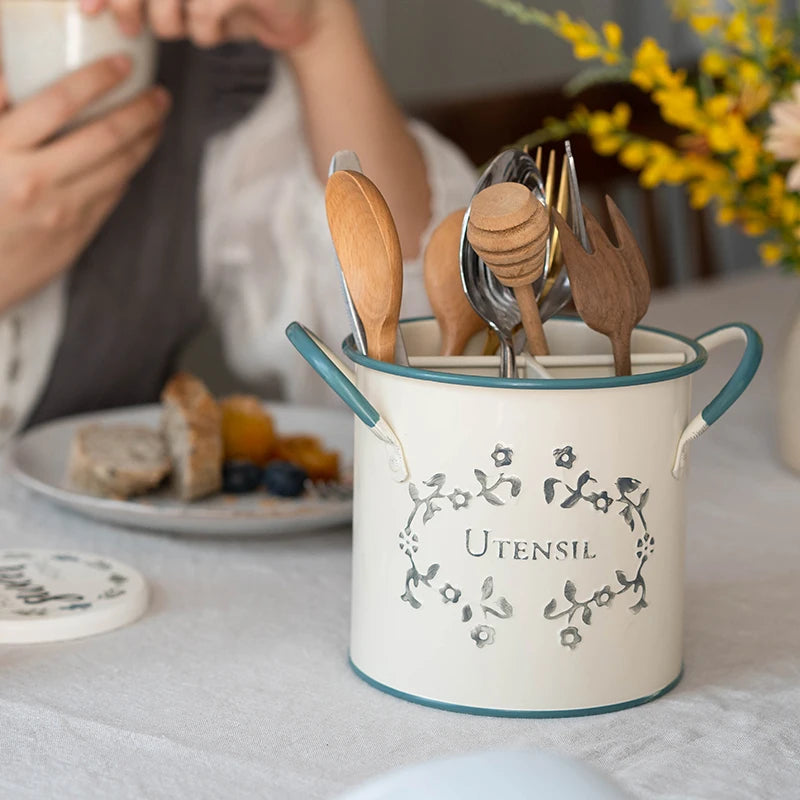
521, 551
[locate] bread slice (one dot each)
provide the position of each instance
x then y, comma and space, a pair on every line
192, 427
117, 461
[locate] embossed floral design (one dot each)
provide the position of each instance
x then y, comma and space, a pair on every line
603, 597
601, 502
459, 498
409, 542
450, 594
646, 546
482, 635
632, 499
502, 455
570, 637
564, 457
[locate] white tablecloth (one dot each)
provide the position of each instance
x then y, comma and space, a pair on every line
236, 683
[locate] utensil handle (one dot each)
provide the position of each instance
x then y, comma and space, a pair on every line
343, 382
730, 392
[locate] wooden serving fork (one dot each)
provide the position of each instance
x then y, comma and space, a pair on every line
610, 285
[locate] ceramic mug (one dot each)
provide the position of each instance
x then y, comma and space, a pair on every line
520, 551
44, 40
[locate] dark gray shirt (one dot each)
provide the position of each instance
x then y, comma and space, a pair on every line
134, 294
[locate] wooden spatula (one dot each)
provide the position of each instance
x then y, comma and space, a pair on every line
368, 248
457, 319
508, 228
610, 285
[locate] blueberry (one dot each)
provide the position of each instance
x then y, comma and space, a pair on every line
284, 479
240, 477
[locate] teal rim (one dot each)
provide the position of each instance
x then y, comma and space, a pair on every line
502, 712
701, 356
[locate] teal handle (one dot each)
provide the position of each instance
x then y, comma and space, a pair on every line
748, 365
334, 374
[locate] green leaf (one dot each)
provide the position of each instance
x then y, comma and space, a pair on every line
613, 73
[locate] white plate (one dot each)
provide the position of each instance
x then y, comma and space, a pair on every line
39, 461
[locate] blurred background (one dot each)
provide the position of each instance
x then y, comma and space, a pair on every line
485, 81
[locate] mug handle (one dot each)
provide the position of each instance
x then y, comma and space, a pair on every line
343, 382
730, 392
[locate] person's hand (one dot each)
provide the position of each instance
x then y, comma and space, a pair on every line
278, 24
56, 191
165, 17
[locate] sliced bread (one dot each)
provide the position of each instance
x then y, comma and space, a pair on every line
117, 461
192, 427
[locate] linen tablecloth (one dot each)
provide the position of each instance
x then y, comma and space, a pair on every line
236, 682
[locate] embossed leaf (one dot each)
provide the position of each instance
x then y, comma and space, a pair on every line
430, 510
437, 480
622, 577
410, 599
549, 489
569, 591
481, 476
505, 607
491, 498
466, 614
584, 479
643, 499
488, 588
639, 606
572, 500
431, 574
587, 615
516, 485
550, 607
413, 491
627, 515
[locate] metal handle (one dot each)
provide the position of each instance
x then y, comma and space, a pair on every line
730, 392
343, 382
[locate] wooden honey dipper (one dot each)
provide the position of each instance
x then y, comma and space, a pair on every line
508, 228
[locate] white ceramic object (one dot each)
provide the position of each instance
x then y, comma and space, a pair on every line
55, 595
44, 40
532, 562
39, 461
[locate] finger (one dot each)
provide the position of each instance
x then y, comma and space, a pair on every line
93, 144
130, 15
36, 120
166, 18
116, 172
205, 21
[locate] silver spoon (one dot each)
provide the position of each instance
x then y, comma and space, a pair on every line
492, 301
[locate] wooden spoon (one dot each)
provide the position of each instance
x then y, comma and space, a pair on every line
368, 248
508, 228
610, 285
457, 319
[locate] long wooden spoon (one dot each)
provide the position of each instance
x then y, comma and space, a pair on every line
457, 320
368, 248
508, 228
610, 285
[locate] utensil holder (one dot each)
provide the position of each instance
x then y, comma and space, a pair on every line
521, 552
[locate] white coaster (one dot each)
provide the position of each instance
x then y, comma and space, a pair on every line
53, 595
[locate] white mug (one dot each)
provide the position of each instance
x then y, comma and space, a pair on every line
44, 40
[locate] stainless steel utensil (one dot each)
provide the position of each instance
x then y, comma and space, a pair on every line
492, 301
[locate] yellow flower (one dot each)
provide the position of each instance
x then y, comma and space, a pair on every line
650, 65
713, 63
634, 155
621, 114
749, 72
613, 34
703, 23
771, 252
726, 215
678, 106
586, 50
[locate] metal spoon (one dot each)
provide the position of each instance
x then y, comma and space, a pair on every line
492, 301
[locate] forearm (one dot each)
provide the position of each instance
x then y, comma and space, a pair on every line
347, 105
